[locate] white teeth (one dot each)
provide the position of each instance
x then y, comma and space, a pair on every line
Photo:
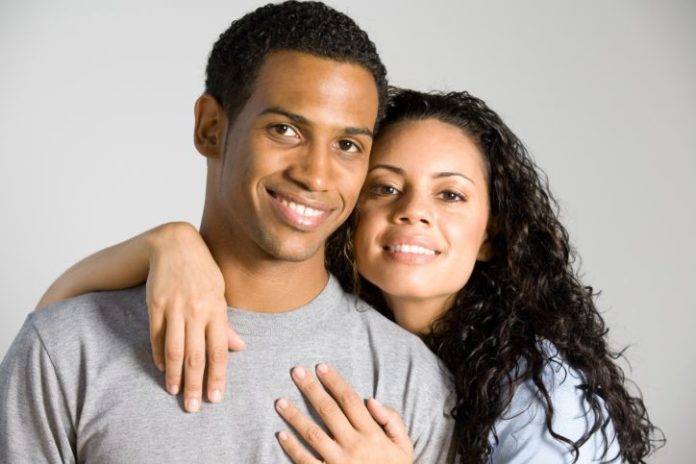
415, 249
301, 209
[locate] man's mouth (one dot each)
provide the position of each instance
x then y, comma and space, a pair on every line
297, 213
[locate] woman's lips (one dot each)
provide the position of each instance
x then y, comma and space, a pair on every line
411, 251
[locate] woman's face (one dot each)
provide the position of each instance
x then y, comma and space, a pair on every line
423, 213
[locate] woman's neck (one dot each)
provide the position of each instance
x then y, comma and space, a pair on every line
417, 315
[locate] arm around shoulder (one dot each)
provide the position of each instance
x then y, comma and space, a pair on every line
123, 265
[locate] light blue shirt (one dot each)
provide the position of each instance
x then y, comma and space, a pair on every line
522, 433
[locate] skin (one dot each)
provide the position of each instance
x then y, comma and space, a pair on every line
302, 138
423, 216
440, 205
282, 176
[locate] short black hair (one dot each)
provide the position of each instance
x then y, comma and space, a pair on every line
309, 27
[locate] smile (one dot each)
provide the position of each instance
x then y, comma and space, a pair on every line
296, 213
299, 208
411, 249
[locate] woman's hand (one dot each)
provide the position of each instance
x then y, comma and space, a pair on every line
359, 433
188, 314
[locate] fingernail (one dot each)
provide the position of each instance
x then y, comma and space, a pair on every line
323, 368
173, 389
160, 366
376, 402
192, 404
299, 372
282, 436
216, 396
282, 403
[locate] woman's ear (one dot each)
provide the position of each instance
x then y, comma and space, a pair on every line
485, 252
209, 129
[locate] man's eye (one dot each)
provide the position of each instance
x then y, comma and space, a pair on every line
348, 146
284, 130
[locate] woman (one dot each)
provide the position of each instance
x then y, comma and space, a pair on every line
456, 238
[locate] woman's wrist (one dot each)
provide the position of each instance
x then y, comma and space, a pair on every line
166, 236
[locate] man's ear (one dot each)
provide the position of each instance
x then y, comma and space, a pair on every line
210, 126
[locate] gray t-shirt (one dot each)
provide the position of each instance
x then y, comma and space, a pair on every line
78, 384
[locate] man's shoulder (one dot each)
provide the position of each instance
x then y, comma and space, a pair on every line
392, 341
90, 317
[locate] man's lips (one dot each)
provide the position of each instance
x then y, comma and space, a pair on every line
300, 213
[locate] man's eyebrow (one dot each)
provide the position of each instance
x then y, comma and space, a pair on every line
436, 175
359, 131
294, 117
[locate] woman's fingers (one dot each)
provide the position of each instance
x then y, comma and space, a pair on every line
392, 424
173, 354
157, 337
359, 433
350, 403
217, 346
327, 408
310, 432
294, 449
194, 366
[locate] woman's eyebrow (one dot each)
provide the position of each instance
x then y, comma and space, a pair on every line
388, 167
438, 175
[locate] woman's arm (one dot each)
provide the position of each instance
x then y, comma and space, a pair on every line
185, 297
120, 266
360, 432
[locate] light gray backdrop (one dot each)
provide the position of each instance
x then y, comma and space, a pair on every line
96, 122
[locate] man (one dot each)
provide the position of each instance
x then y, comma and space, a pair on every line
293, 93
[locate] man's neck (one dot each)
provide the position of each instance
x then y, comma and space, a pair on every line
257, 282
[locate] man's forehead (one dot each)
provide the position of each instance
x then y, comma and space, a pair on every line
321, 90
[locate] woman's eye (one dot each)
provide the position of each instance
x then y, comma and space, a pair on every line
348, 146
384, 190
284, 130
449, 195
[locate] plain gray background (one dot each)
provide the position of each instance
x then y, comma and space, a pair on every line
96, 140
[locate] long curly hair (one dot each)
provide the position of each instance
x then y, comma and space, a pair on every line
527, 292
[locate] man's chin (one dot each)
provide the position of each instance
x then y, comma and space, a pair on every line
288, 251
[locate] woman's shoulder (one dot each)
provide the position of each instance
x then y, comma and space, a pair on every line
521, 432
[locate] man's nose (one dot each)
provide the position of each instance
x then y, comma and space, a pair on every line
312, 168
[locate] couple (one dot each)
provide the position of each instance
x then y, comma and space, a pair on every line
454, 238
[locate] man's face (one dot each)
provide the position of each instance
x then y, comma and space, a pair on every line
296, 155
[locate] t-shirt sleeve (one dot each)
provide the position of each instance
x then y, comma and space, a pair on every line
432, 424
35, 423
522, 433
434, 443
